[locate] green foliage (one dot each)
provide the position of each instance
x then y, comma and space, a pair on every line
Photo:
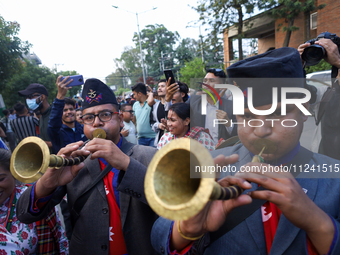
11, 50
322, 66
116, 78
30, 74
222, 14
129, 64
193, 69
156, 39
186, 51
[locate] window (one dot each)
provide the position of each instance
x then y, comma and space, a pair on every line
313, 20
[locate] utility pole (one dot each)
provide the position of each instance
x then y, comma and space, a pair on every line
140, 43
201, 45
162, 59
141, 50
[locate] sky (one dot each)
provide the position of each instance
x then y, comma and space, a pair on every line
86, 36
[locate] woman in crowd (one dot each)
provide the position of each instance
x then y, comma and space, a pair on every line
178, 125
42, 237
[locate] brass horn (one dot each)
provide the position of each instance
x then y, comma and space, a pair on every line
171, 192
31, 158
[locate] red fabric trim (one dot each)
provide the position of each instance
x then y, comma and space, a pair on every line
270, 218
117, 242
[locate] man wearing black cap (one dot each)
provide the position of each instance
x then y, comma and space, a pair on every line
277, 214
115, 218
37, 99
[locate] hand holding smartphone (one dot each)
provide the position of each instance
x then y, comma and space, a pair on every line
169, 74
77, 80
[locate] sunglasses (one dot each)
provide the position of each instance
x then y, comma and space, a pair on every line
217, 71
131, 111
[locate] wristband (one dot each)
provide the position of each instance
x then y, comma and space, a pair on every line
186, 237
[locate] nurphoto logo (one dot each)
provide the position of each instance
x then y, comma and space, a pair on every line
238, 99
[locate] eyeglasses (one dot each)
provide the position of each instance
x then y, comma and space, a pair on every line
33, 96
89, 118
131, 111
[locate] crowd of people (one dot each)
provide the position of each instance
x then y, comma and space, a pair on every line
103, 205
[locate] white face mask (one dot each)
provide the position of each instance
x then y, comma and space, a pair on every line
32, 103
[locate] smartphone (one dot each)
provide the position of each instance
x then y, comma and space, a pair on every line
169, 74
77, 80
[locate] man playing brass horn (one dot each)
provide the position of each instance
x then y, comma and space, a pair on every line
115, 218
293, 215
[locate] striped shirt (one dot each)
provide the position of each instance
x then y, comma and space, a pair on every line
24, 126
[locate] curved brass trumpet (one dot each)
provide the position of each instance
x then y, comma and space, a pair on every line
31, 158
171, 192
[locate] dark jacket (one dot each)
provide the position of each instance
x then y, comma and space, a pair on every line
60, 134
91, 231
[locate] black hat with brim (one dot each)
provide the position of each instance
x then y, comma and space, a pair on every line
33, 88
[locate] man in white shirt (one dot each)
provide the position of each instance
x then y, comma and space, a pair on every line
221, 110
129, 130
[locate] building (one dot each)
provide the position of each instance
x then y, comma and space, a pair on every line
264, 28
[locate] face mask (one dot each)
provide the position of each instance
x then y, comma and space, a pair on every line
32, 103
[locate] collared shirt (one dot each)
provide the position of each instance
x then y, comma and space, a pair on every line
209, 121
143, 120
132, 132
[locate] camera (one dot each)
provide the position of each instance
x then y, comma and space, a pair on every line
314, 53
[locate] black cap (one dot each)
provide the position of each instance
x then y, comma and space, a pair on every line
33, 88
277, 68
95, 92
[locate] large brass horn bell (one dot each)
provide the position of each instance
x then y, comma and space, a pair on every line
171, 192
31, 158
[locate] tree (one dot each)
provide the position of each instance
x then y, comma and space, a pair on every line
222, 14
213, 51
11, 50
321, 66
289, 10
116, 78
186, 51
30, 74
156, 40
129, 64
149, 80
193, 69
